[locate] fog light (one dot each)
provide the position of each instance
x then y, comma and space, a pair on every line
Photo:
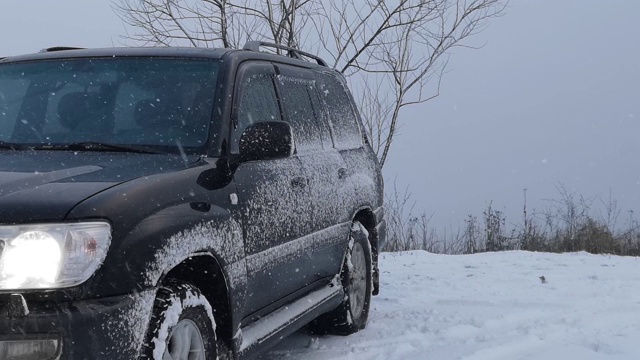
46, 349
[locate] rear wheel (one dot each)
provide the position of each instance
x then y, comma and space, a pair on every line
182, 325
356, 276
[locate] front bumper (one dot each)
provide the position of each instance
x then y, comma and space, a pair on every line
111, 328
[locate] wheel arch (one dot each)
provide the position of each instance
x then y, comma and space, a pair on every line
367, 218
203, 270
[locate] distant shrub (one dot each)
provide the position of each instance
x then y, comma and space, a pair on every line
569, 225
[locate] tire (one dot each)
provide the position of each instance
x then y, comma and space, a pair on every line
181, 326
356, 276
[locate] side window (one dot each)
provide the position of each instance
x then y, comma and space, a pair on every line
297, 103
340, 113
257, 100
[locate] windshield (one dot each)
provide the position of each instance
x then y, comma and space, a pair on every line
164, 103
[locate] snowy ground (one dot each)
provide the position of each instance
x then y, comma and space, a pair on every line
492, 307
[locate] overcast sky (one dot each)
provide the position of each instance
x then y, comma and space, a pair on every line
552, 98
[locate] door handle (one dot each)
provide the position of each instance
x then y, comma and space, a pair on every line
299, 181
342, 173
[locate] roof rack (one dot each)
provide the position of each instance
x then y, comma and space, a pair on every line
291, 52
59, 48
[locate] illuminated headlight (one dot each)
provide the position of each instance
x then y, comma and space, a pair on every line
48, 256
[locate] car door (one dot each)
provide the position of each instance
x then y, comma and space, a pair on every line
348, 140
273, 197
325, 168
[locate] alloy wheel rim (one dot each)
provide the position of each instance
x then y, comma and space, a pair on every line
184, 342
357, 281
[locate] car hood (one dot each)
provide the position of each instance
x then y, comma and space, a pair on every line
43, 186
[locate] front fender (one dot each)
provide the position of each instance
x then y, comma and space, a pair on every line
158, 243
164, 240
168, 238
175, 234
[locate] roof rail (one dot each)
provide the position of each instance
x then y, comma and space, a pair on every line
291, 52
60, 48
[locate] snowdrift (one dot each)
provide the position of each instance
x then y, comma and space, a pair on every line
492, 306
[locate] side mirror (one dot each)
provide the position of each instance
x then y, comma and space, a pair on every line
266, 140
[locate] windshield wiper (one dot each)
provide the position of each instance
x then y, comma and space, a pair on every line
11, 146
99, 146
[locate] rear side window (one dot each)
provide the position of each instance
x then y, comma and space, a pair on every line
296, 96
256, 98
340, 113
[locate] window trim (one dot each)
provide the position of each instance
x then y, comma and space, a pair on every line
236, 96
237, 93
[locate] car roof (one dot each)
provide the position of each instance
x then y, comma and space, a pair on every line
248, 53
251, 50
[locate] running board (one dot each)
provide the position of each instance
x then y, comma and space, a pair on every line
265, 332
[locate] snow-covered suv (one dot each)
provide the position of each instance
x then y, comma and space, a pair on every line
173, 203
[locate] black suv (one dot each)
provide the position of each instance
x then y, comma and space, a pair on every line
174, 203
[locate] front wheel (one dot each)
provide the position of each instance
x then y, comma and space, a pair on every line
356, 276
182, 325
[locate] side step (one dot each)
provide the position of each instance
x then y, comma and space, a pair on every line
267, 331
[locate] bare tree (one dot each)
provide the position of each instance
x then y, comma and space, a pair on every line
210, 23
393, 52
